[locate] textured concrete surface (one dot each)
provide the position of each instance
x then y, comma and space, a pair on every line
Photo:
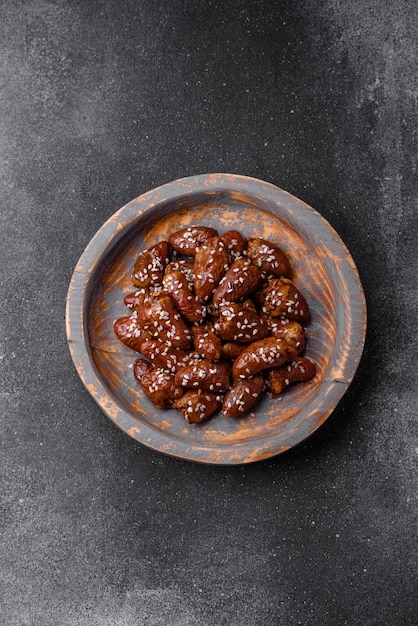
101, 102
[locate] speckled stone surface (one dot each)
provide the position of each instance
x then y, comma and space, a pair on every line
101, 102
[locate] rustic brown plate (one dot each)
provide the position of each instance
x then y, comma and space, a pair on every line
323, 269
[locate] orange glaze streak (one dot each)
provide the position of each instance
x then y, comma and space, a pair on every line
248, 428
132, 432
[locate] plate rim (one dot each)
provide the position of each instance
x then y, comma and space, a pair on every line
107, 237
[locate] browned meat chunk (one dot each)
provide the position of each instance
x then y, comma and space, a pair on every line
196, 406
242, 395
239, 323
279, 378
205, 375
261, 355
187, 240
268, 257
240, 280
150, 265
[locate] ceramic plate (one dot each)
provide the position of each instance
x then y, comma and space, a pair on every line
322, 268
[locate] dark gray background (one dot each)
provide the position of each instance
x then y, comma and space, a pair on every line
102, 101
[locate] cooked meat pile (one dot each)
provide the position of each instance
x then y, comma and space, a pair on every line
218, 321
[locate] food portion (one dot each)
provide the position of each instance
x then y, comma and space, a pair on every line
217, 322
